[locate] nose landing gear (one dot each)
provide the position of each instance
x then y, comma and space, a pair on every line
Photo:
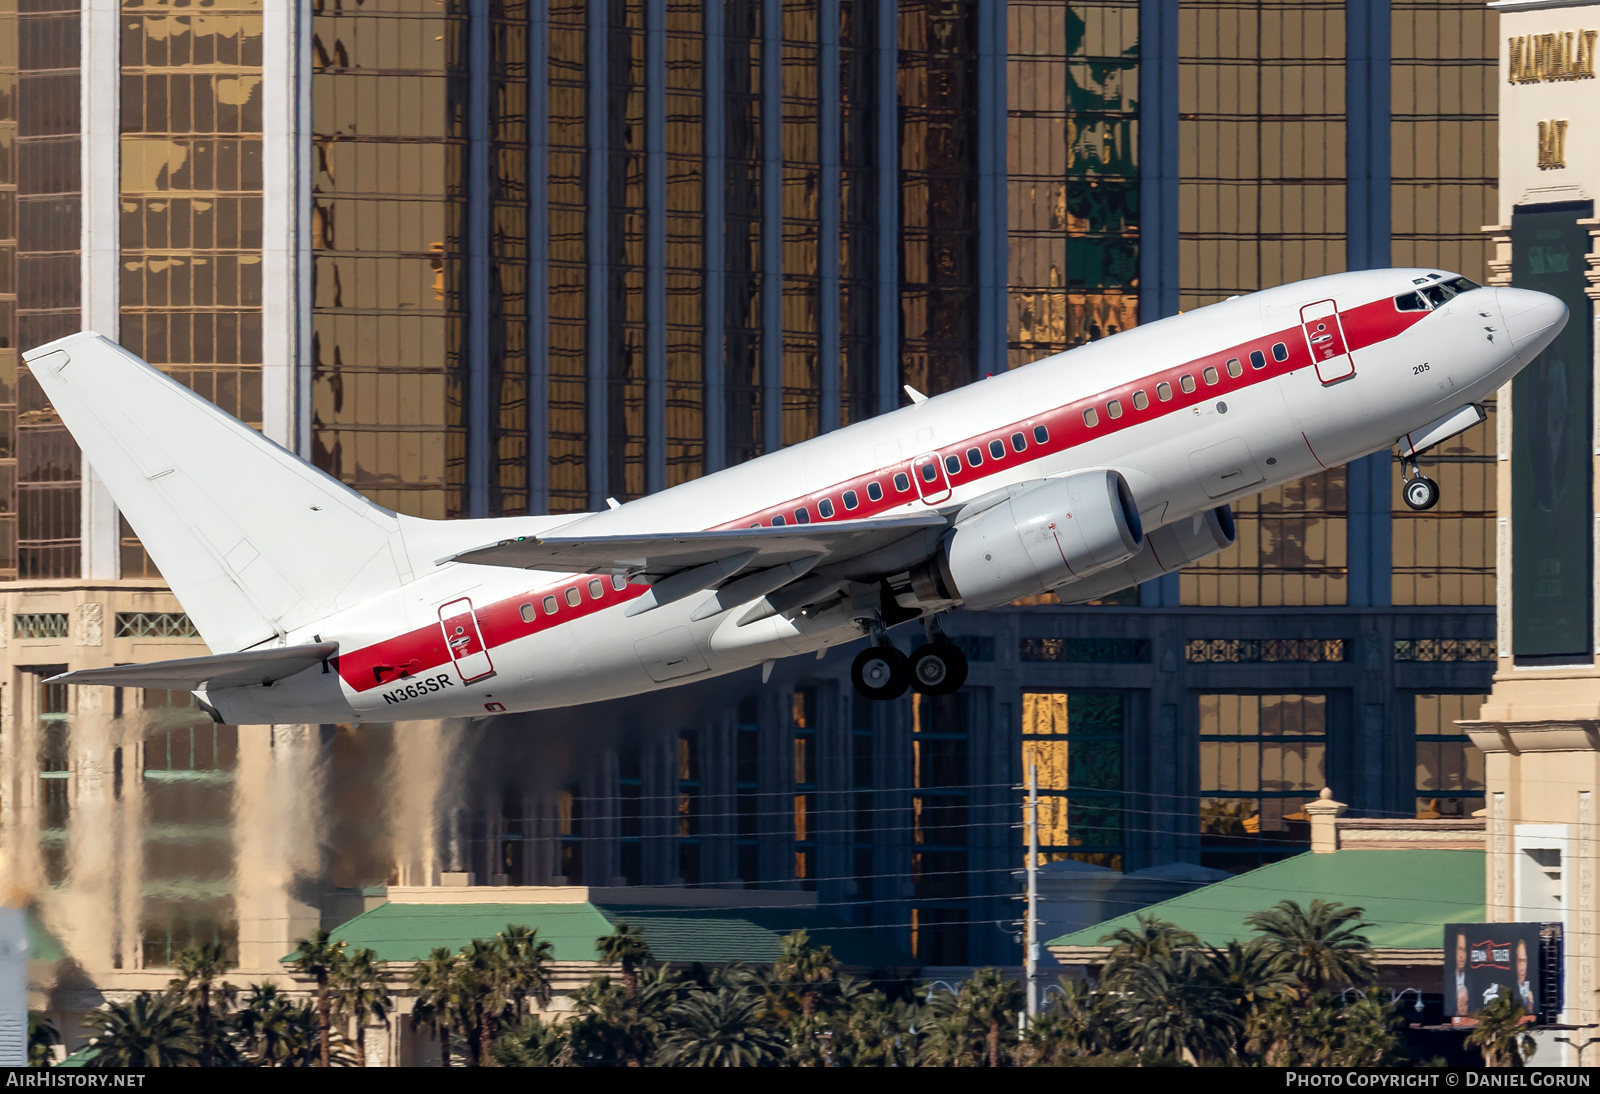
1421, 493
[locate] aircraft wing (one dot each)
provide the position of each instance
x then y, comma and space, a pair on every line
222, 670
823, 543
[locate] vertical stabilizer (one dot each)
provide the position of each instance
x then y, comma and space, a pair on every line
253, 540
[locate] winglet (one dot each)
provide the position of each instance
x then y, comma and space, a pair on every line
916, 396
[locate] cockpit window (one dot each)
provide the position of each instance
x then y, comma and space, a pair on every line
1461, 285
1437, 295
1410, 302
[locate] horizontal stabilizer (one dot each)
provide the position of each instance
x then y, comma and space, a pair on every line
666, 553
223, 670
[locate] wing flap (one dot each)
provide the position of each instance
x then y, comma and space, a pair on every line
657, 554
222, 670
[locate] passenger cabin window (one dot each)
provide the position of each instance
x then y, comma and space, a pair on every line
1234, 367
1410, 302
952, 464
778, 521
1091, 417
901, 482
997, 449
1280, 352
1114, 408
596, 589
618, 582
851, 500
802, 515
573, 597
550, 605
874, 491
1186, 383
974, 456
930, 471
1210, 374
1163, 391
528, 614
1258, 359
1140, 400
1041, 434
825, 507
1018, 442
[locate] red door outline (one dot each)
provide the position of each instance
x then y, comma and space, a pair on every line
931, 491
1325, 338
464, 639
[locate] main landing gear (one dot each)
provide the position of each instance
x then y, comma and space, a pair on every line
937, 667
1421, 493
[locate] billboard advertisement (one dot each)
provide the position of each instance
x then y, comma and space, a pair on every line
1482, 960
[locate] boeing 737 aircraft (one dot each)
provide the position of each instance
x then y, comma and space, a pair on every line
1083, 473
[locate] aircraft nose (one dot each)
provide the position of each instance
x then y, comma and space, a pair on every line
1532, 319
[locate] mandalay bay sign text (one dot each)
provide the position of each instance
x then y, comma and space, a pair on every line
1544, 58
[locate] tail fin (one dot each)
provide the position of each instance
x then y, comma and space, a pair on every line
253, 540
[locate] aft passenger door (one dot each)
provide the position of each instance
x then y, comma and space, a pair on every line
1325, 337
927, 471
464, 638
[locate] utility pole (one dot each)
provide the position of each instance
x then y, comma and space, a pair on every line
1031, 957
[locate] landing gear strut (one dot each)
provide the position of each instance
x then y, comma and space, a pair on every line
880, 671
1421, 493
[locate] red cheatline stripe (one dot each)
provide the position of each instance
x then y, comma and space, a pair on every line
384, 664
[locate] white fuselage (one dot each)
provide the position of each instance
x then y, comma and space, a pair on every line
1232, 436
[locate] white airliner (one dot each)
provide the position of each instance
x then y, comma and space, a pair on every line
1085, 473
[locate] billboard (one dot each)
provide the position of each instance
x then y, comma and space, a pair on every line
1550, 444
1481, 960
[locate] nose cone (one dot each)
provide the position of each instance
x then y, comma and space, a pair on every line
1532, 319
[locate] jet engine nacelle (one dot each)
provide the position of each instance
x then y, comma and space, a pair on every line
1166, 549
1041, 537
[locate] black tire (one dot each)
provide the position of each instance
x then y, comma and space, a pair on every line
1421, 493
881, 672
938, 668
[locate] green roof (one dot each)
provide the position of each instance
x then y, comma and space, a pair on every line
42, 944
407, 932
1408, 897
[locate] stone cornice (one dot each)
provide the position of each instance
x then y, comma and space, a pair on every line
1576, 735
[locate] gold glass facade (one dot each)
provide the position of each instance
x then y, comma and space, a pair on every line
801, 223
190, 283
388, 139
509, 192
626, 439
1450, 770
685, 273
1074, 743
49, 223
1262, 757
938, 193
1445, 102
567, 275
1073, 184
8, 288
1262, 202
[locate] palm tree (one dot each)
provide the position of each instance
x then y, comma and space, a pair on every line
1174, 1007
805, 967
611, 1028
264, 1025
1132, 946
719, 1027
484, 995
1318, 946
991, 1002
948, 1037
438, 995
532, 1043
361, 990
625, 946
878, 1032
527, 968
320, 958
42, 1038
1080, 1022
1501, 1032
199, 968
149, 1031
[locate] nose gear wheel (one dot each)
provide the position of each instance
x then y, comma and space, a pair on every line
1420, 492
